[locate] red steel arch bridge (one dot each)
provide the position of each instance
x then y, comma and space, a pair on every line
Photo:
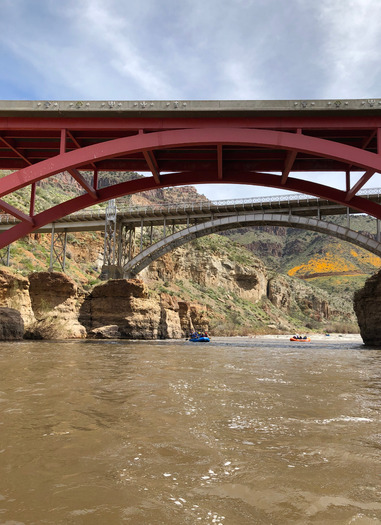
177, 143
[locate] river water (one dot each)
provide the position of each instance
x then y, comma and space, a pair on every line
233, 432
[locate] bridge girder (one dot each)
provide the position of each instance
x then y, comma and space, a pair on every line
169, 243
149, 144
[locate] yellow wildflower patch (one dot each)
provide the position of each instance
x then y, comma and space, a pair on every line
328, 264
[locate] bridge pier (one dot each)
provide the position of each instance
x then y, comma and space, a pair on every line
58, 249
111, 271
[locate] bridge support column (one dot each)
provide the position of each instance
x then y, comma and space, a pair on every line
125, 249
378, 231
58, 249
110, 270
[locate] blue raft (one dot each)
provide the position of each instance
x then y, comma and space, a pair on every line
199, 339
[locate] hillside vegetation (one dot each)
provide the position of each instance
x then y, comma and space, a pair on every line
335, 266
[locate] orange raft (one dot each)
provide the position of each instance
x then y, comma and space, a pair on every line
300, 340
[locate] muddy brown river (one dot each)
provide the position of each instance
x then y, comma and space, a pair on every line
233, 432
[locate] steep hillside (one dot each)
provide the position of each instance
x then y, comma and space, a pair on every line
327, 263
241, 295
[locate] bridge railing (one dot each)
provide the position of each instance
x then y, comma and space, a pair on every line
205, 205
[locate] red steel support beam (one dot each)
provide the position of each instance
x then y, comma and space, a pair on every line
219, 162
191, 137
32, 199
347, 180
359, 184
152, 164
74, 172
8, 208
82, 182
151, 161
133, 123
290, 159
95, 179
77, 144
73, 139
10, 144
367, 175
63, 141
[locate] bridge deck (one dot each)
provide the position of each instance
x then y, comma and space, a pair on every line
31, 131
180, 213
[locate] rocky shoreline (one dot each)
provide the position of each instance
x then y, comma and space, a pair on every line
49, 305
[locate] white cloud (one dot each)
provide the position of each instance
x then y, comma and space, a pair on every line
193, 49
352, 39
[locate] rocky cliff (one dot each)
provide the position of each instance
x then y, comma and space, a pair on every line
367, 305
247, 279
49, 305
123, 309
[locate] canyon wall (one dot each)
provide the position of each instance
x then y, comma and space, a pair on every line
52, 306
367, 306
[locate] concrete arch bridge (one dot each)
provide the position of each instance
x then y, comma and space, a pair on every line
140, 261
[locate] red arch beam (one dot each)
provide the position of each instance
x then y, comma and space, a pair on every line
149, 142
190, 137
180, 179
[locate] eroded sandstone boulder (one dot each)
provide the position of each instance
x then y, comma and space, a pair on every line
55, 303
125, 304
170, 324
367, 306
105, 332
123, 309
14, 293
11, 324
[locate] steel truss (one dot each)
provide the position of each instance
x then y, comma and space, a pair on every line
58, 246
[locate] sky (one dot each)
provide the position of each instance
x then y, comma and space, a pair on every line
191, 50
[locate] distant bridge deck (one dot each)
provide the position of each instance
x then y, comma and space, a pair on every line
181, 213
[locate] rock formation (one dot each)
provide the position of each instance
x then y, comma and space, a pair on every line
14, 293
177, 294
55, 303
279, 293
209, 271
49, 305
122, 308
367, 306
11, 324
